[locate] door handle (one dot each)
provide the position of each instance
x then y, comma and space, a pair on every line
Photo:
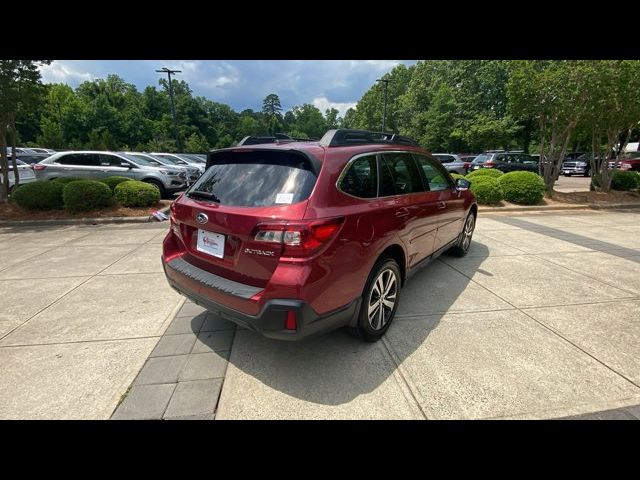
403, 212
442, 205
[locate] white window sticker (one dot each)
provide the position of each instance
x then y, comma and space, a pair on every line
284, 198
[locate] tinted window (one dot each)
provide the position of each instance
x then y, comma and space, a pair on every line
434, 176
83, 159
527, 159
110, 161
361, 178
387, 184
405, 173
480, 159
444, 158
257, 179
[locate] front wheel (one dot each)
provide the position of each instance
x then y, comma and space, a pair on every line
379, 301
461, 248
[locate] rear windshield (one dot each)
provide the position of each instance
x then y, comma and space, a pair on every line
481, 159
256, 179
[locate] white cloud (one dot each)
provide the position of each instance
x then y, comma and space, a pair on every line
59, 72
377, 64
323, 103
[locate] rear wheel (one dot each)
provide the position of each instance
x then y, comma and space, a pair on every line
464, 240
159, 186
379, 301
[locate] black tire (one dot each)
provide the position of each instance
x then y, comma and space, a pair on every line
364, 329
158, 185
566, 174
461, 248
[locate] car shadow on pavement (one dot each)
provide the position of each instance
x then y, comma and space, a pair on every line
336, 368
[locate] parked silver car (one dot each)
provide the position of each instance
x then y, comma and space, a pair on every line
25, 172
193, 171
453, 163
175, 156
96, 165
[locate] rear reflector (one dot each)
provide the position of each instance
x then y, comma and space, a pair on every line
291, 323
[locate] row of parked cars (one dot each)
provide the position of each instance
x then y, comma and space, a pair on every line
169, 172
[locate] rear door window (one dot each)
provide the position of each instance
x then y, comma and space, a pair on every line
82, 159
434, 176
361, 178
256, 179
444, 158
405, 173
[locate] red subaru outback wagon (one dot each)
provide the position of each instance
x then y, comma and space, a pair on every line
294, 238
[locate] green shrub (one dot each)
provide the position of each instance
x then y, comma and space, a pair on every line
42, 195
84, 195
65, 180
624, 180
113, 182
484, 172
524, 188
137, 194
487, 190
456, 176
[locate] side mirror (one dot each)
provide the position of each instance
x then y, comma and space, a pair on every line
462, 184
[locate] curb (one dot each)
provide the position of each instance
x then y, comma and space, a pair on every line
543, 208
77, 221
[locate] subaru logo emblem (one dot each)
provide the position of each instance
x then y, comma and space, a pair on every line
201, 218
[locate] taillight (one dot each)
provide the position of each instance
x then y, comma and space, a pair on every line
489, 165
38, 166
625, 166
299, 239
291, 322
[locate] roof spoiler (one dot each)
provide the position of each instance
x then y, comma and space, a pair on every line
342, 137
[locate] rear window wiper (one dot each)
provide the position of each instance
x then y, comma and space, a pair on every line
205, 195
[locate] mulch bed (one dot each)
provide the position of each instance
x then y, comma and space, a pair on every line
581, 198
11, 211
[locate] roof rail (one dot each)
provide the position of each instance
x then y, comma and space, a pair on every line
342, 137
276, 138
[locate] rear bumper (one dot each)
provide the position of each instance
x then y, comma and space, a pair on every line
270, 320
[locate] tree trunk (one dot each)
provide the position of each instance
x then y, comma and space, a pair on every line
16, 173
4, 164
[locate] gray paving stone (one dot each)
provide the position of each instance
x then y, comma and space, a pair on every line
616, 414
196, 398
145, 402
208, 416
202, 366
190, 309
185, 325
635, 411
174, 345
213, 341
161, 370
214, 322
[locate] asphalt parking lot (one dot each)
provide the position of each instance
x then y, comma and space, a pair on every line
540, 320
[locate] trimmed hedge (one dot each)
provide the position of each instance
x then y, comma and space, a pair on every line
456, 176
487, 190
41, 195
113, 182
484, 172
625, 180
137, 194
65, 180
84, 195
524, 188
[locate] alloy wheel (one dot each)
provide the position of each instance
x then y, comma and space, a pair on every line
382, 299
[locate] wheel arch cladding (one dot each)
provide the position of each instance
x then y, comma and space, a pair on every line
396, 252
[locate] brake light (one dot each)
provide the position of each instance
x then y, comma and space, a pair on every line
299, 239
38, 166
291, 322
489, 165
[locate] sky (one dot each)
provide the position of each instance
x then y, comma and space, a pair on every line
242, 84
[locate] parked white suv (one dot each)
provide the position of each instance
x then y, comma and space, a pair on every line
25, 173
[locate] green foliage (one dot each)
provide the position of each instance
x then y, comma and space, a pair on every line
484, 172
196, 143
524, 188
137, 194
113, 182
65, 180
456, 176
487, 190
85, 195
625, 180
41, 195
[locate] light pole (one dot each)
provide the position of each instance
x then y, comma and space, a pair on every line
384, 112
169, 72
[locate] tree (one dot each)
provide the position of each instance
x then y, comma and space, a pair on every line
331, 118
196, 143
20, 87
271, 109
556, 94
308, 119
349, 120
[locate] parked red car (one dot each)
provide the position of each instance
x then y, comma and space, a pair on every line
296, 238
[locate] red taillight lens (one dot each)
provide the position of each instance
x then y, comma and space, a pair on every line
37, 166
488, 165
291, 323
299, 239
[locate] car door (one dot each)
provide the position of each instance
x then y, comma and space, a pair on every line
449, 201
81, 165
527, 163
112, 166
413, 208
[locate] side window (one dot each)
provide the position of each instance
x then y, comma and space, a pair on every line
83, 159
435, 177
361, 178
387, 184
405, 173
501, 158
